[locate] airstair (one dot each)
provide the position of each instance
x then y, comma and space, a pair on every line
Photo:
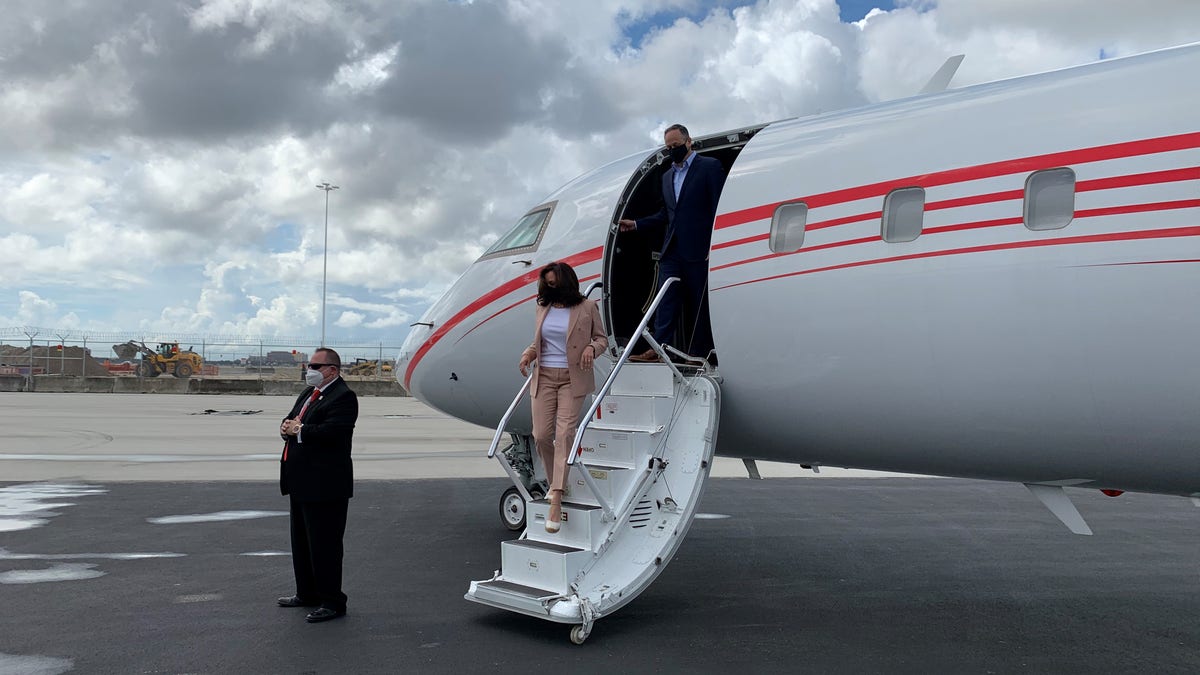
643, 451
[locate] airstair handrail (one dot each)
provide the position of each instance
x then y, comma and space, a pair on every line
508, 413
603, 391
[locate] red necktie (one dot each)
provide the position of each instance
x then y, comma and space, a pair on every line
315, 395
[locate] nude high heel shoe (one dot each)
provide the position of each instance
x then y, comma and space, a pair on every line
554, 519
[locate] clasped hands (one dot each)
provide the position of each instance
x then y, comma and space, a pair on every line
289, 427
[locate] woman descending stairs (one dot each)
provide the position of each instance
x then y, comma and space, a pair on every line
631, 493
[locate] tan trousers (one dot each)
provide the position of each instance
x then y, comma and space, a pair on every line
555, 420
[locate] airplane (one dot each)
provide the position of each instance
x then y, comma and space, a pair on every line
995, 282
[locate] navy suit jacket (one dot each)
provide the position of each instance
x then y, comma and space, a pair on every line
319, 469
689, 221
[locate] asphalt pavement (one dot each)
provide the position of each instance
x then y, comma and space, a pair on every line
895, 575
146, 534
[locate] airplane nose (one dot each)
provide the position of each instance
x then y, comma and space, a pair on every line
402, 361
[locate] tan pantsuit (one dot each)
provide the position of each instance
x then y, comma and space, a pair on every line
558, 393
556, 419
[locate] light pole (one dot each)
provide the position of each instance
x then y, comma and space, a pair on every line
325, 263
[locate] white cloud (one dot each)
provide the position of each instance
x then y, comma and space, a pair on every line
349, 320
158, 165
34, 310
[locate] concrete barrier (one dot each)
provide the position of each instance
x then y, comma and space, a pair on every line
149, 385
12, 383
73, 384
172, 385
377, 388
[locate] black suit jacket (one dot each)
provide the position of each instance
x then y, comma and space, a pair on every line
319, 469
690, 220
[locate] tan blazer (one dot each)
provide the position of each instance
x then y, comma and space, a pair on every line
583, 329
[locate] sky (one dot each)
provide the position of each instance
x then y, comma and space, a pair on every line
159, 159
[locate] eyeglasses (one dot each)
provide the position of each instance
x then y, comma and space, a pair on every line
318, 366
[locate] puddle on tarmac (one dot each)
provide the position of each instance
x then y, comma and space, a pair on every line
14, 524
199, 597
265, 554
227, 412
215, 517
6, 555
711, 516
30, 505
34, 665
59, 572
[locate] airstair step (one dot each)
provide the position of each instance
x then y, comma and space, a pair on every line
541, 564
626, 427
508, 595
639, 412
644, 380
611, 481
517, 589
581, 526
619, 448
544, 545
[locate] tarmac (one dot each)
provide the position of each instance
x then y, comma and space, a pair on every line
138, 536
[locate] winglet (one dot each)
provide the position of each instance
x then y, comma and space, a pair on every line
1055, 498
941, 79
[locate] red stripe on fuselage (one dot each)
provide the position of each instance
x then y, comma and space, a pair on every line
521, 301
1132, 180
1146, 146
488, 298
1061, 241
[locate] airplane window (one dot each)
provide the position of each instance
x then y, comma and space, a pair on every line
903, 214
787, 227
1049, 199
524, 236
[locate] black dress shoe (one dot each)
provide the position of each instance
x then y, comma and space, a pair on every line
295, 601
324, 614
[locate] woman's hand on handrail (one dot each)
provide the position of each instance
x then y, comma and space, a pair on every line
523, 365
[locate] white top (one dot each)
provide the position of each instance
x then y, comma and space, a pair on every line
554, 338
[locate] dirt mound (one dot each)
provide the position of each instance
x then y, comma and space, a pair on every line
54, 361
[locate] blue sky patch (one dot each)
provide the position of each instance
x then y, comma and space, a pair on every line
286, 237
637, 30
855, 10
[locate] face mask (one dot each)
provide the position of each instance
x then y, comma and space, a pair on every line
678, 153
313, 378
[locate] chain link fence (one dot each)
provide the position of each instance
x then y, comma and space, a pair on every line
30, 351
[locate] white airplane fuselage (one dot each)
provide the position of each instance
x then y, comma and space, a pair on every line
981, 348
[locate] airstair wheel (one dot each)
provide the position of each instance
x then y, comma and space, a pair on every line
513, 508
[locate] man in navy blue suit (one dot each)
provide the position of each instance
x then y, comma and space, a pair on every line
691, 188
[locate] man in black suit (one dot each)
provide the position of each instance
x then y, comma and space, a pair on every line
691, 189
316, 472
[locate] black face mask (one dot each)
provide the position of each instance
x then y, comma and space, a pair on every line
678, 153
554, 295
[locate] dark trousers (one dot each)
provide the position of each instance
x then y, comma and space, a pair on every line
317, 531
690, 293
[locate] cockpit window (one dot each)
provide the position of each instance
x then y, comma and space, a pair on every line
524, 236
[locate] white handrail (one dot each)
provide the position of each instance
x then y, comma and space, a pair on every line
508, 413
600, 394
